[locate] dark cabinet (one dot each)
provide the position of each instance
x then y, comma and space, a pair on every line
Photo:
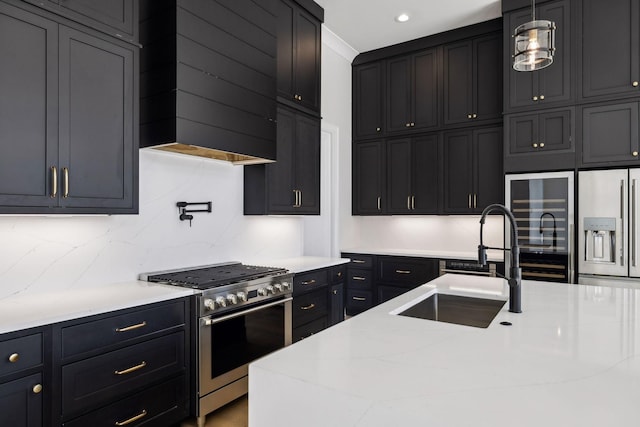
359, 283
412, 92
473, 169
291, 185
69, 141
299, 44
369, 178
473, 80
336, 294
368, 100
541, 140
610, 134
610, 35
413, 175
397, 275
23, 389
551, 85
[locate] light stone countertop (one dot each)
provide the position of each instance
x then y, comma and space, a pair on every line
306, 263
572, 358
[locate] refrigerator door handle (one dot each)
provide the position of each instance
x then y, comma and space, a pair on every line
571, 253
633, 223
622, 199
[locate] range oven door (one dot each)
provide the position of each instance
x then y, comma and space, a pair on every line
227, 344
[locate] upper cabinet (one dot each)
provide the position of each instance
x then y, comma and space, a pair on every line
299, 44
68, 115
368, 103
369, 178
610, 35
412, 92
473, 80
115, 17
551, 85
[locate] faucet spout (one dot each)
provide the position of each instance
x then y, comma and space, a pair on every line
515, 273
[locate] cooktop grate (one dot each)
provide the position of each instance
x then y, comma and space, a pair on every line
214, 276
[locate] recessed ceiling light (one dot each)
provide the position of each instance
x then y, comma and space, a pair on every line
403, 17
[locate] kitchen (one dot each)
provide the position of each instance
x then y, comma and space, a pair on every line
52, 253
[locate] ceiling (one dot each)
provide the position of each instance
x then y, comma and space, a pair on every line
369, 24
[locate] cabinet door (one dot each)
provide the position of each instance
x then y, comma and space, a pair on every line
487, 78
610, 134
307, 164
424, 100
489, 176
336, 295
20, 404
369, 178
280, 175
398, 94
117, 14
522, 133
458, 82
425, 174
553, 83
28, 108
399, 175
97, 150
610, 47
307, 60
368, 100
458, 172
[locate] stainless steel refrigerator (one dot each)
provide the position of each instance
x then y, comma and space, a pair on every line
608, 227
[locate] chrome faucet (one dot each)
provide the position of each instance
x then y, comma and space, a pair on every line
515, 273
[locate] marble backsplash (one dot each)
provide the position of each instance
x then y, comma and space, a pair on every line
44, 254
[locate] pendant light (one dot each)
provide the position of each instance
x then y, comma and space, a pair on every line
534, 43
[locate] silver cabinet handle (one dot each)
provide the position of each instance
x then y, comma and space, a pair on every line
54, 181
469, 201
408, 203
413, 202
358, 261
379, 203
65, 175
475, 200
359, 278
403, 271
359, 299
300, 195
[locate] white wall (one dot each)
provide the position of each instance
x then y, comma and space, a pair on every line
438, 233
39, 253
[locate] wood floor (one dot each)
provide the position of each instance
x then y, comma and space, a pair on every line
234, 414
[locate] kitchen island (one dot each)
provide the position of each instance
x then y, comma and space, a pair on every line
570, 359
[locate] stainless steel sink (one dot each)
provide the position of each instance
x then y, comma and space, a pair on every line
461, 310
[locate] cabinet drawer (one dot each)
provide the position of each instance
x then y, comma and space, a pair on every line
360, 261
338, 273
19, 405
359, 279
21, 353
310, 306
309, 329
102, 333
406, 272
102, 378
311, 280
160, 405
358, 301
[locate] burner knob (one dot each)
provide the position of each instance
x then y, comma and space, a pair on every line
286, 286
263, 292
209, 304
242, 296
232, 299
278, 287
270, 289
221, 302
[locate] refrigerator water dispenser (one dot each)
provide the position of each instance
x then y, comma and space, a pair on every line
600, 240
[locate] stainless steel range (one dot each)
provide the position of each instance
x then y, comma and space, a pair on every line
243, 313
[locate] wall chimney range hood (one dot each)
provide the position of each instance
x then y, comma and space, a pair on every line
208, 78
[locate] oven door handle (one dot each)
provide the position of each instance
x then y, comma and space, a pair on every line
208, 321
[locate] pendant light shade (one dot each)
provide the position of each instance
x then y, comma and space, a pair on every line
534, 44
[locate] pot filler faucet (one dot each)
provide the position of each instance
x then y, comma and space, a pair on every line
515, 273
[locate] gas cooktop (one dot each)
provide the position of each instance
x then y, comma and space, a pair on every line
212, 276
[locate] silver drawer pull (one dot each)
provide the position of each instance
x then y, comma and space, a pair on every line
132, 419
358, 261
403, 271
308, 307
14, 358
359, 278
131, 369
359, 299
308, 282
132, 327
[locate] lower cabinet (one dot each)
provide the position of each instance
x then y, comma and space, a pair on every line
397, 275
128, 367
24, 392
317, 300
359, 290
